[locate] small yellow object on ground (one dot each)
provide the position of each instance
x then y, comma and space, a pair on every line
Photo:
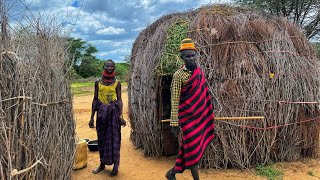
271, 75
81, 156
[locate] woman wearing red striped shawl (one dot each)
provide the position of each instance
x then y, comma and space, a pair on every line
108, 104
192, 110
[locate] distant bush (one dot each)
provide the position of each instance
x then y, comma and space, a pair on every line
122, 71
90, 70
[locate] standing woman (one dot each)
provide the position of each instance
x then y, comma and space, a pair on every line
108, 104
191, 112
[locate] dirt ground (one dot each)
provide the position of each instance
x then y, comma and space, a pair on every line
134, 166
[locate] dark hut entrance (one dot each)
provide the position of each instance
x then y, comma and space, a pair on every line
169, 141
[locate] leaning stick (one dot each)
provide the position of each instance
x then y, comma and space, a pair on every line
18, 97
239, 118
229, 118
15, 172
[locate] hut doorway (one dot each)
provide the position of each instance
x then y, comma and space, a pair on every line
169, 142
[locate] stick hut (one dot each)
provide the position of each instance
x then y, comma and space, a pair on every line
256, 65
37, 130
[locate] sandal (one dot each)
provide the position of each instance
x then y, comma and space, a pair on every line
170, 175
114, 173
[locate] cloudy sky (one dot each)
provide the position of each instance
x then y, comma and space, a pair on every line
110, 25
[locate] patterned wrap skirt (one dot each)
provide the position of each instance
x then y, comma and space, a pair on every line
109, 133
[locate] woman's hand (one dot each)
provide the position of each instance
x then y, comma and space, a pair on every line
91, 123
122, 122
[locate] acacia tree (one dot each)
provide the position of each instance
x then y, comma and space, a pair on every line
90, 67
78, 49
305, 13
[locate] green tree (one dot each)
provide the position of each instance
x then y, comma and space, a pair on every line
90, 50
79, 49
90, 67
122, 70
75, 50
304, 13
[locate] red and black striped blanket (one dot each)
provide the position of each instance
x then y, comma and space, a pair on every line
196, 121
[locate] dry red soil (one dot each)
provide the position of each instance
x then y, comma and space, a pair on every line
135, 166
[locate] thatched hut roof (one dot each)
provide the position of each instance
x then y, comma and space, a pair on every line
256, 65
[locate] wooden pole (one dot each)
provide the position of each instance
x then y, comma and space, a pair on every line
230, 118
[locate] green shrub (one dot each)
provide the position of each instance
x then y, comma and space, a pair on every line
269, 172
170, 60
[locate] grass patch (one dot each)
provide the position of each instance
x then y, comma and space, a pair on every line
269, 172
310, 173
124, 84
79, 92
82, 84
82, 88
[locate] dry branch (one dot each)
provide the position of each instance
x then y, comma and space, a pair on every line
15, 172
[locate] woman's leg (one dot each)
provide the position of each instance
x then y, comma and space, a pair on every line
98, 169
116, 141
194, 172
114, 171
101, 147
101, 134
171, 174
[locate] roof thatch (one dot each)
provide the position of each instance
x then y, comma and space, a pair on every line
256, 65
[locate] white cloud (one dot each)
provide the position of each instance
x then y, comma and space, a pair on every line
197, 2
110, 43
87, 23
173, 1
111, 31
102, 54
147, 3
105, 18
46, 5
91, 25
138, 29
120, 51
76, 34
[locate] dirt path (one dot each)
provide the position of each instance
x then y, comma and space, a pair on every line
134, 166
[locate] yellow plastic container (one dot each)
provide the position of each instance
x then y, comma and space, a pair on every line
81, 155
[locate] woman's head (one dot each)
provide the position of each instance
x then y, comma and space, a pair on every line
189, 58
109, 66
